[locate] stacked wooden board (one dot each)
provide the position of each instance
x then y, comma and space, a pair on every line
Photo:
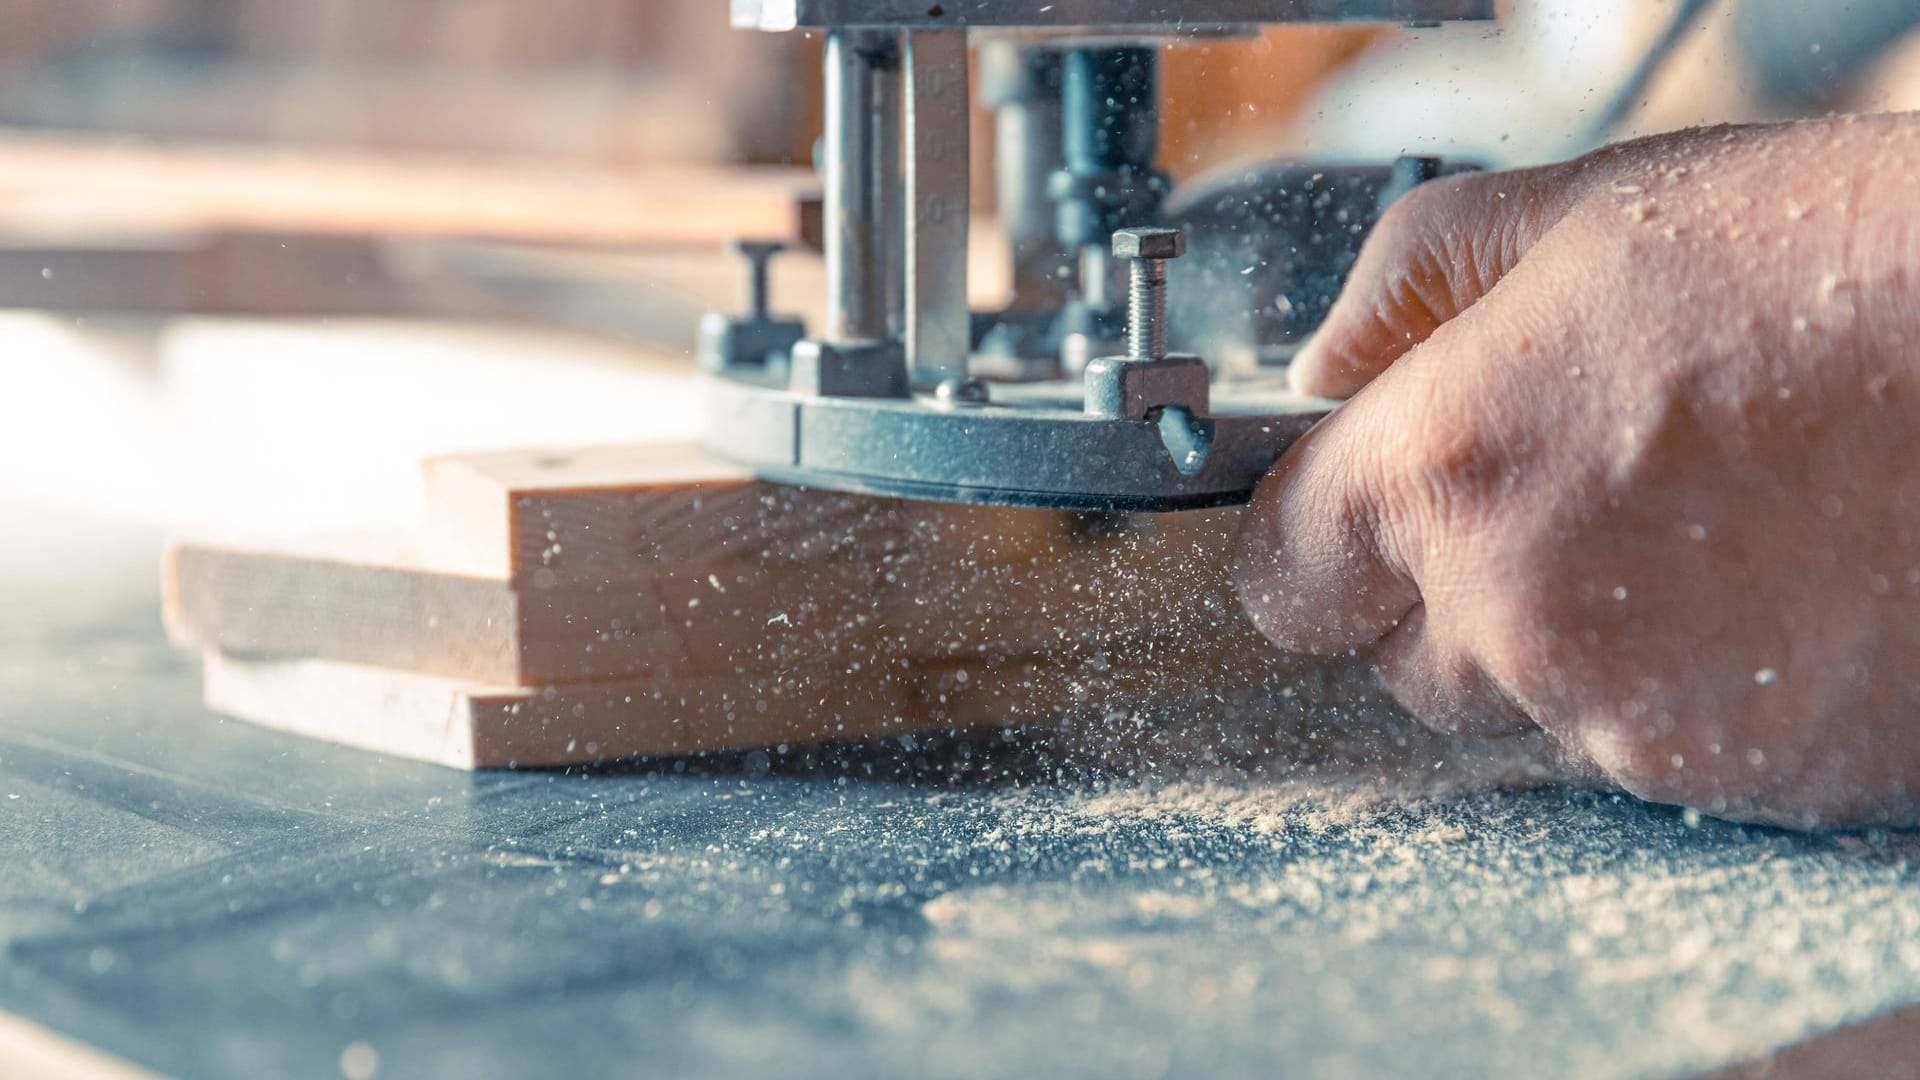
571, 606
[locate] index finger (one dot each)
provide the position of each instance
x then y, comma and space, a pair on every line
1434, 255
1317, 565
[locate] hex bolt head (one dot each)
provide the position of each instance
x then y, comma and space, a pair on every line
1149, 243
756, 250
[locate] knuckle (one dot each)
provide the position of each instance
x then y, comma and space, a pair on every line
1311, 566
1434, 202
1344, 504
1659, 766
1437, 668
1447, 242
1446, 470
1418, 221
1399, 222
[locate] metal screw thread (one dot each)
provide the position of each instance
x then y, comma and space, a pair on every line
1147, 310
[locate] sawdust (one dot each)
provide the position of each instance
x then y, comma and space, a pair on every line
1200, 924
1308, 868
1327, 742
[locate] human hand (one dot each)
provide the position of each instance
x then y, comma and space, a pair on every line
1631, 456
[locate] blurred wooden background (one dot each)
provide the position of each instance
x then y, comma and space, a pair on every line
614, 83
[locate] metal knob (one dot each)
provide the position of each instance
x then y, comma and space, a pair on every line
1149, 249
758, 254
1147, 379
758, 337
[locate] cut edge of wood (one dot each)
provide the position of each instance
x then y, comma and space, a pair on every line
464, 726
363, 601
422, 717
30, 1049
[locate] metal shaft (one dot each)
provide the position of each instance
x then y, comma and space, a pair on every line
758, 288
1147, 310
759, 296
862, 183
937, 106
1021, 83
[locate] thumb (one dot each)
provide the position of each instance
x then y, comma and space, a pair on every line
1318, 564
1433, 254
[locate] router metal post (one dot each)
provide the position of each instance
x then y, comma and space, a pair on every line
862, 175
860, 355
937, 104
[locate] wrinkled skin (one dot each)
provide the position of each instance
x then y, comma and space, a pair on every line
1633, 454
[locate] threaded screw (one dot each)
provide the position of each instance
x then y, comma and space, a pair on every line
1149, 249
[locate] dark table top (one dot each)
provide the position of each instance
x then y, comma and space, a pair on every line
207, 899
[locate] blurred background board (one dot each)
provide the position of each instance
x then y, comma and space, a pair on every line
95, 190
615, 82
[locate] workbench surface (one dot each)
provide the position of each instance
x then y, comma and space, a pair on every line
205, 899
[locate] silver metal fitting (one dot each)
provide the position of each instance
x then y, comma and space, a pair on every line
758, 254
865, 369
1149, 243
757, 337
1149, 249
955, 393
1133, 386
1123, 388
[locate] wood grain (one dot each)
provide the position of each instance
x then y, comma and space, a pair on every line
599, 563
585, 572
1135, 692
600, 513
471, 726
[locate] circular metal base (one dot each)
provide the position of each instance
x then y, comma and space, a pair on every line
893, 487
1032, 446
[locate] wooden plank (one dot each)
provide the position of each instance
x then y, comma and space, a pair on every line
348, 605
361, 598
588, 510
598, 563
220, 274
66, 186
375, 600
586, 572
468, 726
653, 298
595, 513
1136, 695
968, 579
